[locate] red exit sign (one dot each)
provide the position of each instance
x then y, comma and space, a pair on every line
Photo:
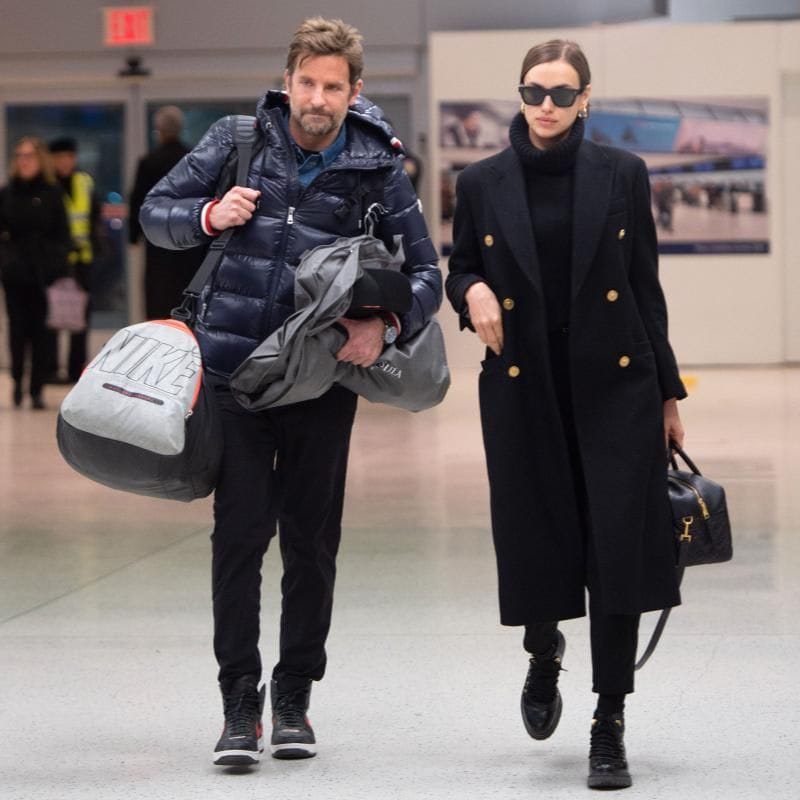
127, 25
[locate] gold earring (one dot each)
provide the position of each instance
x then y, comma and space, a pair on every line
522, 108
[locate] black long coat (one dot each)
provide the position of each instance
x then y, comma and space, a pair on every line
34, 233
621, 368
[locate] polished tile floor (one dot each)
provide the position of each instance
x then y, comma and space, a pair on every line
108, 682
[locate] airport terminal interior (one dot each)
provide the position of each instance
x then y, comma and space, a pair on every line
107, 676
105, 626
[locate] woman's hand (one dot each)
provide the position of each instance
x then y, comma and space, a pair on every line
673, 427
485, 316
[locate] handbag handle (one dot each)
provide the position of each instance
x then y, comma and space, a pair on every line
675, 448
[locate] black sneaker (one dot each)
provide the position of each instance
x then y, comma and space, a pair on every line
242, 740
608, 768
292, 735
541, 701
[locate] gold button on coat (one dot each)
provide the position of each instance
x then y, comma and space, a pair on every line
513, 371
488, 240
624, 361
612, 295
508, 304
621, 234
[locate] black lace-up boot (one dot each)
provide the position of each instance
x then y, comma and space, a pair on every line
608, 768
242, 739
292, 735
541, 700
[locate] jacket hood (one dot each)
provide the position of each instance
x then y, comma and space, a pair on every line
367, 116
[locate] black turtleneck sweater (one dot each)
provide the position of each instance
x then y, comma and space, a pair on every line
549, 188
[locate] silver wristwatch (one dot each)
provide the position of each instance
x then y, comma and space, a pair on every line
389, 332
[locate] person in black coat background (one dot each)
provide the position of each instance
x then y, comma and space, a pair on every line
554, 266
34, 242
167, 272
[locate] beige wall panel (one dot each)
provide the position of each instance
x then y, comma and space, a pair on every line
691, 60
789, 46
791, 210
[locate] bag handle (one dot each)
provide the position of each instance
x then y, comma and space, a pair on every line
244, 131
674, 449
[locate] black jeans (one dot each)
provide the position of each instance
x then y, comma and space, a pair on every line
27, 311
76, 357
284, 468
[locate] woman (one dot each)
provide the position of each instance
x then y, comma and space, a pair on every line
554, 266
34, 242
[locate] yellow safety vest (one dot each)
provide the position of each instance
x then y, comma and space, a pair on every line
79, 208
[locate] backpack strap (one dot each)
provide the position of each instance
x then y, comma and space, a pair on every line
244, 130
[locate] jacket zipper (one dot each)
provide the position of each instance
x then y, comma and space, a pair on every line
295, 197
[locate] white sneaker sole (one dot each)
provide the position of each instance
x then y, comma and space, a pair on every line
238, 758
293, 750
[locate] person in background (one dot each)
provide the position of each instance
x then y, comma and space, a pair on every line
167, 272
469, 127
34, 242
327, 155
555, 267
84, 213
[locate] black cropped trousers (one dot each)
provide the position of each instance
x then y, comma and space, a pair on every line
614, 637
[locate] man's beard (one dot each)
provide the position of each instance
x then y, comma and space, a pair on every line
321, 125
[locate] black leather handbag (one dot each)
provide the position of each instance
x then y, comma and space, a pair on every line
700, 523
699, 515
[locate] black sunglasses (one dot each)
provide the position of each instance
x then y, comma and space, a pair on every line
562, 96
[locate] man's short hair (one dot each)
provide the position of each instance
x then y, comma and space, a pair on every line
168, 121
327, 37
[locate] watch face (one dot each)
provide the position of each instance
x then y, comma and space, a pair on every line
389, 334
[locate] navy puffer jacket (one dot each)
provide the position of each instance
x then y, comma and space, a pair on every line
252, 292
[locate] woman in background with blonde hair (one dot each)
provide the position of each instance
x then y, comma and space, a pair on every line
34, 242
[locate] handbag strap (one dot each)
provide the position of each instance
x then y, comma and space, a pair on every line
683, 557
244, 132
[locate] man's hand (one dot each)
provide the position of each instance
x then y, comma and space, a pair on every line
364, 343
485, 316
673, 427
235, 208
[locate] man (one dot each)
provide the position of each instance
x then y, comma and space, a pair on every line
84, 214
167, 273
325, 155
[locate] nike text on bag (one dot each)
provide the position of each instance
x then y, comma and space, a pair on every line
140, 418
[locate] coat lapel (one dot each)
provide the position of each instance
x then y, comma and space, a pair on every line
506, 192
592, 194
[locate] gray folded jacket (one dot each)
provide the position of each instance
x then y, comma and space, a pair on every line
298, 362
